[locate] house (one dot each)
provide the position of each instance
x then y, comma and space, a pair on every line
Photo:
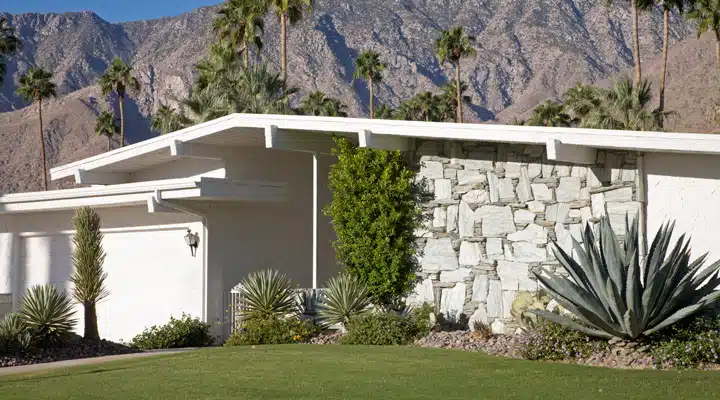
252, 187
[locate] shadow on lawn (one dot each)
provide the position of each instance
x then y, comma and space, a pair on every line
49, 375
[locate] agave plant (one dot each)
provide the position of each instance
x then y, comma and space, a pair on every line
523, 303
14, 335
345, 296
48, 314
268, 293
612, 294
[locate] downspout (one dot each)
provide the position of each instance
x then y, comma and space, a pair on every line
169, 204
642, 212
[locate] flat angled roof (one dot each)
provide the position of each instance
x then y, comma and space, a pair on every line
306, 133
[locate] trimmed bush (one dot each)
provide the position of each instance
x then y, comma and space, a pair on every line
178, 333
272, 330
387, 328
375, 211
688, 344
550, 341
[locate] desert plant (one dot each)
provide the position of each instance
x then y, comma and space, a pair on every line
451, 47
48, 314
268, 293
688, 343
613, 294
14, 335
550, 341
386, 328
185, 331
369, 66
9, 44
345, 297
88, 258
481, 330
523, 303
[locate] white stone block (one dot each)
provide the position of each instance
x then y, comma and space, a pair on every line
508, 297
628, 175
586, 215
563, 238
562, 170
494, 248
617, 211
557, 212
498, 327
585, 193
469, 177
470, 253
494, 299
494, 187
480, 315
496, 221
450, 173
512, 169
452, 302
536, 206
511, 273
593, 180
534, 170
506, 191
476, 197
579, 172
452, 218
443, 189
541, 192
597, 201
568, 190
547, 170
423, 293
527, 252
458, 275
619, 195
439, 217
524, 191
523, 217
431, 170
532, 233
480, 288
439, 255
466, 220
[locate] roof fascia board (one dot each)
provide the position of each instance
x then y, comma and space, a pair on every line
197, 150
310, 142
570, 153
84, 177
366, 138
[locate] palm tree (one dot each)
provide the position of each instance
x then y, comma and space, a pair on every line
369, 66
205, 105
385, 112
580, 100
314, 103
516, 121
221, 59
625, 107
118, 77
334, 108
707, 15
9, 44
166, 119
449, 98
427, 103
452, 46
37, 86
105, 125
636, 38
288, 11
241, 23
549, 114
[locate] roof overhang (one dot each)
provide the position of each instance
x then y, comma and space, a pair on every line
216, 140
136, 194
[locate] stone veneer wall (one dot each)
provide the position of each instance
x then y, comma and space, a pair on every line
496, 208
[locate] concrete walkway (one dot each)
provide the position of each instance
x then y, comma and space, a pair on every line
22, 369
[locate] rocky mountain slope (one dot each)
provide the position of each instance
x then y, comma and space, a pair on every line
527, 51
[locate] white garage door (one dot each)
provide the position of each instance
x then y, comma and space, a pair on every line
151, 276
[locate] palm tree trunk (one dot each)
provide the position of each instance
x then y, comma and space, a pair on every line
459, 92
372, 98
42, 146
636, 42
283, 45
717, 49
122, 121
663, 69
91, 326
109, 137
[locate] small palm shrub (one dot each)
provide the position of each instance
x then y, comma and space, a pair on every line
185, 331
14, 335
387, 328
272, 330
551, 341
613, 294
345, 296
48, 315
268, 293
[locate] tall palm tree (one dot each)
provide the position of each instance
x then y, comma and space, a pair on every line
166, 119
449, 97
549, 114
105, 125
626, 106
288, 11
369, 66
9, 44
452, 46
636, 39
118, 78
707, 15
241, 23
385, 112
37, 86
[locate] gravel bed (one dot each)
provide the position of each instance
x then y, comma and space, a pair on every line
81, 349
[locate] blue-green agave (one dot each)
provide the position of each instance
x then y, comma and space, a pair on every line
345, 296
612, 294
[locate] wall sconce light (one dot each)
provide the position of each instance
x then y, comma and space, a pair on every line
192, 240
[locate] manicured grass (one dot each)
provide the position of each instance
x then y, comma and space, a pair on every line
320, 372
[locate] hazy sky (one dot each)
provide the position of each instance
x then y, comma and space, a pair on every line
110, 10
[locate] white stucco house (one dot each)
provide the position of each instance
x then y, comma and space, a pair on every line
253, 186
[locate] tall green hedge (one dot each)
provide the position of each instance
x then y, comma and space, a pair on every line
375, 211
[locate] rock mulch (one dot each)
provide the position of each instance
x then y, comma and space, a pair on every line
80, 349
327, 338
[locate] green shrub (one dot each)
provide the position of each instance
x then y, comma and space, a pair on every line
268, 293
345, 297
183, 332
551, 341
48, 315
689, 344
387, 328
272, 330
14, 335
375, 211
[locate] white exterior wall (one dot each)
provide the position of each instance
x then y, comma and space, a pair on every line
151, 274
686, 189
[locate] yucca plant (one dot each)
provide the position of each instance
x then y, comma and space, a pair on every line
345, 296
14, 336
613, 295
48, 314
268, 293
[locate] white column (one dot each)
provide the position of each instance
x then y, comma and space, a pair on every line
315, 222
7, 251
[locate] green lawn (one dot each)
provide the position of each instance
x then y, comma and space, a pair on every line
320, 372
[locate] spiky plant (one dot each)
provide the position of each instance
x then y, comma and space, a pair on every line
48, 314
345, 297
268, 293
612, 294
14, 335
89, 276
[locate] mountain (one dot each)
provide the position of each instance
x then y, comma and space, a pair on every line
527, 51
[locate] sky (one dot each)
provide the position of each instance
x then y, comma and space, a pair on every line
109, 10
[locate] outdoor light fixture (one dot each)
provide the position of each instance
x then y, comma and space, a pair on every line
192, 240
